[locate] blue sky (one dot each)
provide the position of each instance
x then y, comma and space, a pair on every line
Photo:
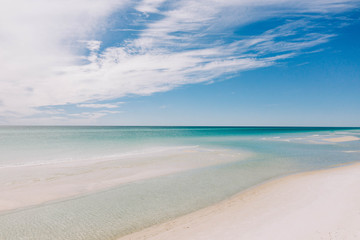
236, 62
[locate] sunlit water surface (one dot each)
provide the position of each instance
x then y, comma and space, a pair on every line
125, 208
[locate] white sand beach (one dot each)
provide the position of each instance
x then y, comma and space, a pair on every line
315, 205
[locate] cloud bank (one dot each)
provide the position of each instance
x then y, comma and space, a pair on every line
55, 53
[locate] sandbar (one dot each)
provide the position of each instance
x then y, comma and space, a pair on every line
342, 139
28, 185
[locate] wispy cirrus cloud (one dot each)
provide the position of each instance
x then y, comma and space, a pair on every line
99, 105
54, 55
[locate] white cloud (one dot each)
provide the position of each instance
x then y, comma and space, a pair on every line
149, 6
92, 115
37, 38
94, 105
93, 45
43, 43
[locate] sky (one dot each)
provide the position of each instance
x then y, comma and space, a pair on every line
180, 62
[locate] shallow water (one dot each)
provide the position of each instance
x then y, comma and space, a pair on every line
128, 207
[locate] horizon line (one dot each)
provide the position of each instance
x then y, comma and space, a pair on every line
230, 126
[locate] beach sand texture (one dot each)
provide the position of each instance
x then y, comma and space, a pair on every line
315, 205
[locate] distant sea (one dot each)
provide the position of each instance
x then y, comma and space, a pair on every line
110, 213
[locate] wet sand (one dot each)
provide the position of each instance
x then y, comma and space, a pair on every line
314, 205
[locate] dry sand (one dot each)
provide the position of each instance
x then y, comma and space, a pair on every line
316, 205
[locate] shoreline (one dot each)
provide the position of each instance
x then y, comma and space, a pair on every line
320, 204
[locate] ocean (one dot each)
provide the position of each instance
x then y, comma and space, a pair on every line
93, 182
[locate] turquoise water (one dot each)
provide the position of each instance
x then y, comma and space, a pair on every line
116, 211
